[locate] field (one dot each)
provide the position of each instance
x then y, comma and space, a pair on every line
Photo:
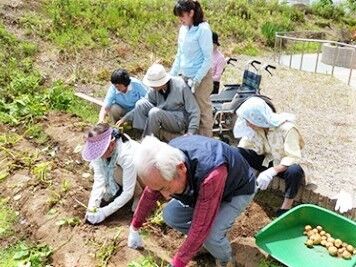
50, 49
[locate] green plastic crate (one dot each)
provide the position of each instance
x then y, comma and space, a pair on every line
283, 238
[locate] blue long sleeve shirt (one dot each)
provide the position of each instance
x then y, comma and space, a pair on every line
195, 52
126, 100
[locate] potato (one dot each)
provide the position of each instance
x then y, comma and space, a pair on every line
310, 233
337, 243
350, 248
315, 231
323, 242
319, 228
316, 239
323, 237
307, 228
328, 244
332, 250
340, 250
346, 255
354, 252
322, 233
327, 235
309, 243
331, 240
344, 244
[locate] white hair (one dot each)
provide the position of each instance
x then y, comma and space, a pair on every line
152, 153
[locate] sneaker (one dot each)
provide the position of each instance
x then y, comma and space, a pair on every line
281, 211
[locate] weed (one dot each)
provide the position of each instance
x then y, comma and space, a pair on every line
41, 172
65, 186
36, 132
9, 139
7, 218
36, 256
157, 217
60, 96
69, 221
147, 261
108, 249
269, 262
54, 198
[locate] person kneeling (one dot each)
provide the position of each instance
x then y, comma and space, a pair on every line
169, 105
110, 153
272, 144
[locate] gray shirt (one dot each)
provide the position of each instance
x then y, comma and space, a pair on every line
180, 98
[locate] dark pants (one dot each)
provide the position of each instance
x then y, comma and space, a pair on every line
293, 176
216, 88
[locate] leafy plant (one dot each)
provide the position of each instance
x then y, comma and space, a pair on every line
147, 261
36, 256
36, 132
69, 221
41, 171
65, 186
107, 249
7, 218
60, 96
157, 217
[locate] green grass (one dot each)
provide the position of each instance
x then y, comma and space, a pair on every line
74, 26
7, 218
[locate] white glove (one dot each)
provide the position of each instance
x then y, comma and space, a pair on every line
265, 177
134, 239
95, 217
193, 84
343, 201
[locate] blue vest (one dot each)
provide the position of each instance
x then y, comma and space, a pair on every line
203, 155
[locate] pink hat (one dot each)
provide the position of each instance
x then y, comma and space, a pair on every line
96, 146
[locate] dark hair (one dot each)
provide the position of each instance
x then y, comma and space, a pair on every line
103, 127
120, 76
98, 129
188, 5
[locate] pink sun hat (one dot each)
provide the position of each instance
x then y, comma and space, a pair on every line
95, 146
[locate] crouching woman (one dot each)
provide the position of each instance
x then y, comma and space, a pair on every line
115, 178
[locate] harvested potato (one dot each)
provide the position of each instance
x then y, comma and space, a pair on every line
344, 244
319, 228
323, 237
315, 231
331, 240
308, 228
346, 255
316, 239
341, 250
350, 248
328, 244
332, 250
309, 243
354, 252
322, 233
327, 235
337, 243
310, 233
323, 242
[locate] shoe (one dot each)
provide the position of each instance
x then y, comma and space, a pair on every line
281, 211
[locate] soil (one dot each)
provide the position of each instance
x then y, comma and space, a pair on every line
78, 245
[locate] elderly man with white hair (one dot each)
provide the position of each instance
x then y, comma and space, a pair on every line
208, 184
169, 105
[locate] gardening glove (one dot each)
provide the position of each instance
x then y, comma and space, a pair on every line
134, 239
95, 217
265, 177
193, 84
343, 201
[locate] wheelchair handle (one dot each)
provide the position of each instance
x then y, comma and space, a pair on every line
253, 62
267, 67
231, 59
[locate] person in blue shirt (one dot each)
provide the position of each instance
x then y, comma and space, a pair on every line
193, 60
122, 95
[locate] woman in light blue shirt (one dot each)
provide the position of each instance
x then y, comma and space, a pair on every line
194, 58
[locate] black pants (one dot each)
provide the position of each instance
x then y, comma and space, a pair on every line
293, 176
216, 88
